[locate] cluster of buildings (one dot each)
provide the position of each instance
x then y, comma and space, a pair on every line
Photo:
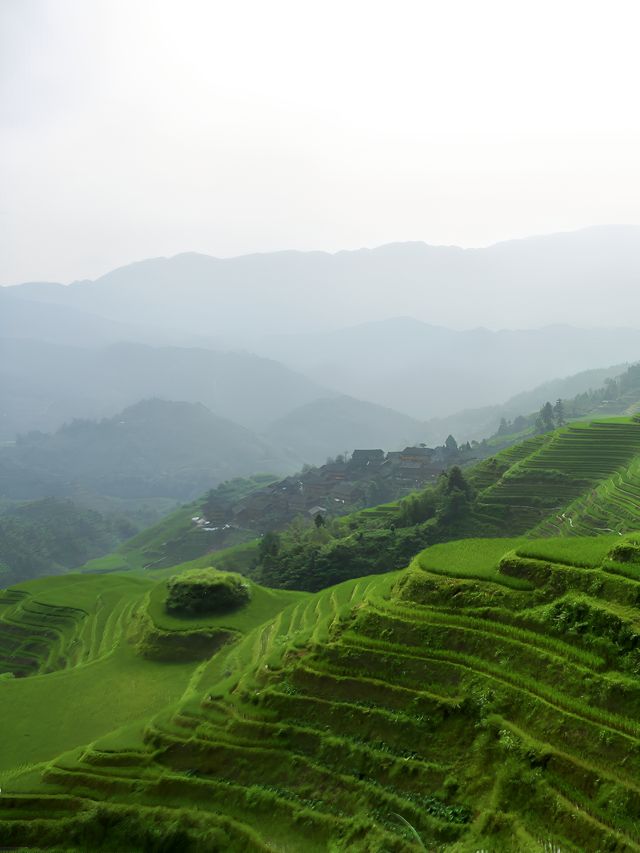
367, 478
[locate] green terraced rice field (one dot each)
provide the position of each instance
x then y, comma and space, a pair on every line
589, 552
469, 558
486, 716
84, 657
486, 698
580, 480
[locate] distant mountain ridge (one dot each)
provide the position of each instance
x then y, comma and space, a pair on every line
519, 283
28, 319
470, 424
425, 330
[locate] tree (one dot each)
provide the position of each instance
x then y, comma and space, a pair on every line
451, 444
269, 545
611, 389
503, 429
558, 413
454, 507
456, 480
545, 422
318, 520
417, 508
519, 424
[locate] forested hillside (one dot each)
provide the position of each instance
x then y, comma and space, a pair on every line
155, 448
52, 535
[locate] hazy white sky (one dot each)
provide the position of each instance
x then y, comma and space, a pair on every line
136, 128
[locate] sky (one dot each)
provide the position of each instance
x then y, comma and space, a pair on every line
140, 128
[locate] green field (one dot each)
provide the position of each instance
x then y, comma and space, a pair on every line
484, 698
469, 558
487, 695
82, 656
175, 539
480, 558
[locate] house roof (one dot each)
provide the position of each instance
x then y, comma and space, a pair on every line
367, 455
315, 510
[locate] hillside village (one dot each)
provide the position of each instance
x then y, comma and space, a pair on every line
365, 478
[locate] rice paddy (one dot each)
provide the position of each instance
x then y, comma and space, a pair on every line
487, 697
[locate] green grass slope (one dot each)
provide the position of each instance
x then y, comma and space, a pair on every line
484, 698
73, 661
175, 539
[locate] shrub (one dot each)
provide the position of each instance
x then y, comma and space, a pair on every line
206, 591
625, 552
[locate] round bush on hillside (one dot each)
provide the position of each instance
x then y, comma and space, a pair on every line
206, 591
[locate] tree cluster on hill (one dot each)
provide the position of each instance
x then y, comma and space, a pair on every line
550, 417
507, 427
613, 392
310, 557
51, 536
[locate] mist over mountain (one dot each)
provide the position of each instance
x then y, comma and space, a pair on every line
339, 424
155, 448
321, 324
319, 481
43, 385
27, 319
428, 371
470, 424
587, 277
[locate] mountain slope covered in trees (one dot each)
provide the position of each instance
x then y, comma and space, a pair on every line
155, 448
51, 535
